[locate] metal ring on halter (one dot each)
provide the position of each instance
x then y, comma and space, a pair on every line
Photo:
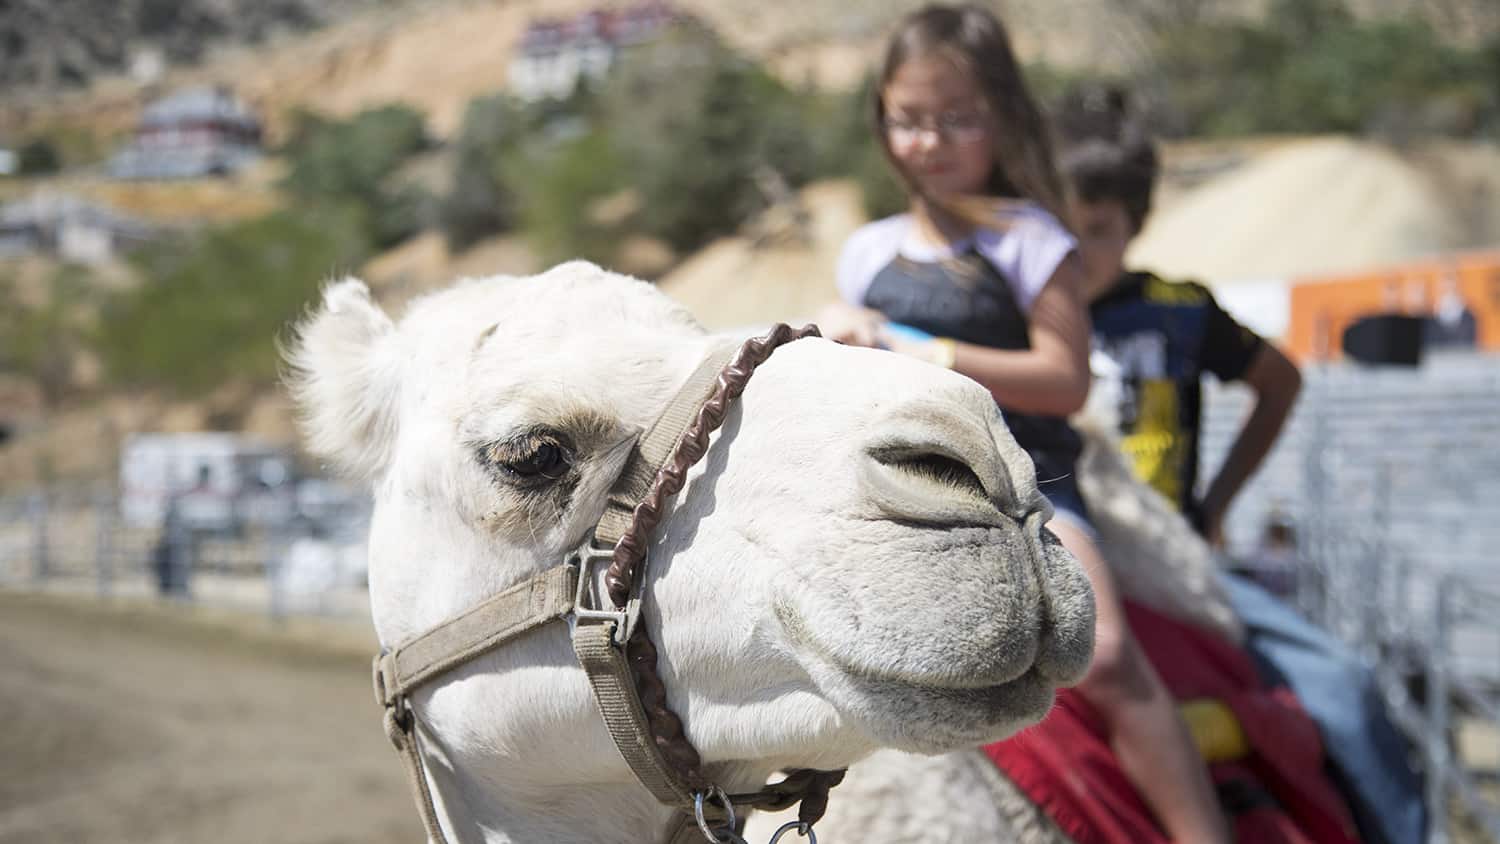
699, 798
803, 828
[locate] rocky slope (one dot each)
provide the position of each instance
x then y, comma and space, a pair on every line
54, 44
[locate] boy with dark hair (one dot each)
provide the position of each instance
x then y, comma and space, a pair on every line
1159, 337
1163, 335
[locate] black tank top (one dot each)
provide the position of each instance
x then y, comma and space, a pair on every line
966, 298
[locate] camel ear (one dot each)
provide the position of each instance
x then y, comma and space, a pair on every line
344, 372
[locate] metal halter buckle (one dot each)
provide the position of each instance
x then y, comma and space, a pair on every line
624, 619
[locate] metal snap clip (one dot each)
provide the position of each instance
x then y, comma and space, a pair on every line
803, 829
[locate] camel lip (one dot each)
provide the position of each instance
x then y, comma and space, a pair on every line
961, 717
935, 684
1031, 676
803, 637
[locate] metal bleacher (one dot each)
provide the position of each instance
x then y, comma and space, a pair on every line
1391, 479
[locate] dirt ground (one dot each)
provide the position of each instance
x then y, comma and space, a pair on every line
134, 724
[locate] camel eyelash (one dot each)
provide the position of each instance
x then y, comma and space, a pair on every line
531, 458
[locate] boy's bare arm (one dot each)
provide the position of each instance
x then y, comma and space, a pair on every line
1276, 382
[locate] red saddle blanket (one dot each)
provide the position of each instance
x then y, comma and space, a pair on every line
1278, 794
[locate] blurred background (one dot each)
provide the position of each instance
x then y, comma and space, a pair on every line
183, 624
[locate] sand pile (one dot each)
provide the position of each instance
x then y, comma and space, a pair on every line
1306, 207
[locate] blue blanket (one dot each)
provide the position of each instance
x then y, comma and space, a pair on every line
1370, 755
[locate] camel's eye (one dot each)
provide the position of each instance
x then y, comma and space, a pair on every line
535, 457
547, 459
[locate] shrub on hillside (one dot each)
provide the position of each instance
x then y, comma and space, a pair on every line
499, 139
693, 122
840, 128
351, 162
210, 310
560, 187
59, 147
478, 203
1312, 66
881, 191
37, 157
880, 188
44, 343
675, 144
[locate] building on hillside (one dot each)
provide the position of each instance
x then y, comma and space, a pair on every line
556, 54
70, 228
191, 134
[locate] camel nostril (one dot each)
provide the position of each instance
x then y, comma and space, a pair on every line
930, 466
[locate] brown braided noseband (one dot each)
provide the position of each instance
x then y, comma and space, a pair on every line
689, 450
666, 726
626, 683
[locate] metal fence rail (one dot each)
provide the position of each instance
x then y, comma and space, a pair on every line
1391, 477
74, 540
1456, 605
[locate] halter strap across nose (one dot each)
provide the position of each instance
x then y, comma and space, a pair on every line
615, 652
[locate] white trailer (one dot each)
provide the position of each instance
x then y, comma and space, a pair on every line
222, 480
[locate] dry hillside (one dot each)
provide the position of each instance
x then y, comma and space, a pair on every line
1249, 210
1243, 210
784, 276
167, 203
438, 55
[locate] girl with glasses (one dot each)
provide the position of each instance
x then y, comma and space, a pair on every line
980, 276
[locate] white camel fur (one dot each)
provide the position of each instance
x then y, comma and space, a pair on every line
1158, 560
857, 563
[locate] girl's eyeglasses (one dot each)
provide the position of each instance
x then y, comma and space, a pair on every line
955, 127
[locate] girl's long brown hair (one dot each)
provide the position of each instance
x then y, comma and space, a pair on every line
1022, 150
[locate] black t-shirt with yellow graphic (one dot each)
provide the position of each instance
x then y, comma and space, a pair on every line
1161, 336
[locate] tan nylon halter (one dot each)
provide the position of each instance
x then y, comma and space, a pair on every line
612, 648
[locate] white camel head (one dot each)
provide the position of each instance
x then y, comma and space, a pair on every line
857, 563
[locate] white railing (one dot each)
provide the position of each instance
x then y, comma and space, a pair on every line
75, 541
1391, 477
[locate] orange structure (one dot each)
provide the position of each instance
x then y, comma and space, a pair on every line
1460, 295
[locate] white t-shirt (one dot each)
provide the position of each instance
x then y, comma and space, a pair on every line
1026, 252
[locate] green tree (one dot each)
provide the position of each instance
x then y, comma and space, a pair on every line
211, 308
880, 188
682, 131
44, 343
1302, 24
862, 157
1313, 66
692, 123
351, 162
559, 187
37, 157
478, 202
